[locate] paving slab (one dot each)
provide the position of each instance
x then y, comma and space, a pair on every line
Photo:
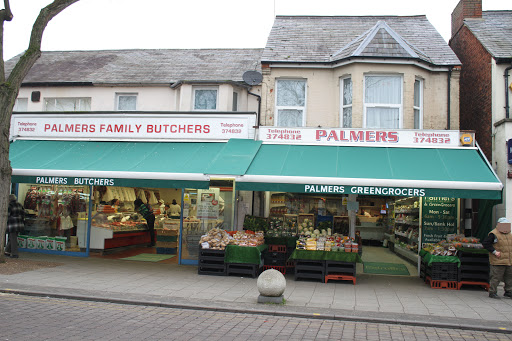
404, 300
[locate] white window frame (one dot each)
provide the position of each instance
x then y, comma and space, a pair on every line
420, 108
17, 104
285, 107
194, 89
127, 94
380, 105
343, 106
77, 102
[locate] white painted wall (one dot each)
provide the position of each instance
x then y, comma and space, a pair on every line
323, 94
502, 133
154, 98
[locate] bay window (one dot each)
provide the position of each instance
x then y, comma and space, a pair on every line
418, 104
383, 102
205, 98
346, 102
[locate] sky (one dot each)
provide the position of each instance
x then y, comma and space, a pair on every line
171, 24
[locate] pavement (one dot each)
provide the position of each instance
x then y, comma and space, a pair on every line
374, 299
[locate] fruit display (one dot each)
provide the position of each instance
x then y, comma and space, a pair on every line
327, 243
218, 239
247, 239
449, 246
215, 239
276, 227
410, 247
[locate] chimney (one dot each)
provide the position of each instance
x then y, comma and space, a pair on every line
465, 9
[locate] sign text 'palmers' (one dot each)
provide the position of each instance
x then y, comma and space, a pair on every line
361, 137
370, 190
55, 180
135, 127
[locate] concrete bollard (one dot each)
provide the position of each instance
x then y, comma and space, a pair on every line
271, 285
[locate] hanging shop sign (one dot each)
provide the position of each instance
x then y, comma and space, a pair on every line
136, 126
208, 206
438, 218
367, 137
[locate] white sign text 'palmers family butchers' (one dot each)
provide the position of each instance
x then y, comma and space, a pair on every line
361, 137
207, 127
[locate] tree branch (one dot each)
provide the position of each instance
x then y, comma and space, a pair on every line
7, 9
5, 15
33, 52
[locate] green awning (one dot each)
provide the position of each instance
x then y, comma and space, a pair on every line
145, 164
234, 158
459, 173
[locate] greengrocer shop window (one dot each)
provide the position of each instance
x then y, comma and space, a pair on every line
205, 98
382, 101
346, 102
418, 104
21, 104
290, 103
67, 104
126, 101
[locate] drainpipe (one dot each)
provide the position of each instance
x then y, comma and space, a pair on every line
507, 106
259, 106
258, 97
449, 96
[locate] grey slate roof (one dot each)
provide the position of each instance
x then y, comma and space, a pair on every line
143, 66
494, 31
325, 39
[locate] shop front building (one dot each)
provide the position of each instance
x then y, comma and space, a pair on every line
402, 188
79, 185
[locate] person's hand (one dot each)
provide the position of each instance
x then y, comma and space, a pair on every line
498, 254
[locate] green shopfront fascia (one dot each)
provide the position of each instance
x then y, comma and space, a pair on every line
252, 166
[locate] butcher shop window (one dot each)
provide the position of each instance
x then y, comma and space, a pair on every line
126, 102
67, 104
205, 99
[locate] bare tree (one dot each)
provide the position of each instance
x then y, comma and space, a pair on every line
9, 87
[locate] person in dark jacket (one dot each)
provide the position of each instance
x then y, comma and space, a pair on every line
499, 245
147, 212
15, 224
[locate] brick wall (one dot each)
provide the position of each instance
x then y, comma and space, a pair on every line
465, 9
475, 88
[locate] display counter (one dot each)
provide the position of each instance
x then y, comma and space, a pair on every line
335, 256
106, 238
406, 253
244, 254
287, 241
429, 258
108, 233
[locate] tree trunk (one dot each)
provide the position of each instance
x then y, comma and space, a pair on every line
9, 87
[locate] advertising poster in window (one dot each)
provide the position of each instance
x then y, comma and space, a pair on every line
208, 205
439, 218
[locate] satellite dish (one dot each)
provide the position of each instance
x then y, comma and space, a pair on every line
252, 77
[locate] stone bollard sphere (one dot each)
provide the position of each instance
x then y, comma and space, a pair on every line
271, 283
